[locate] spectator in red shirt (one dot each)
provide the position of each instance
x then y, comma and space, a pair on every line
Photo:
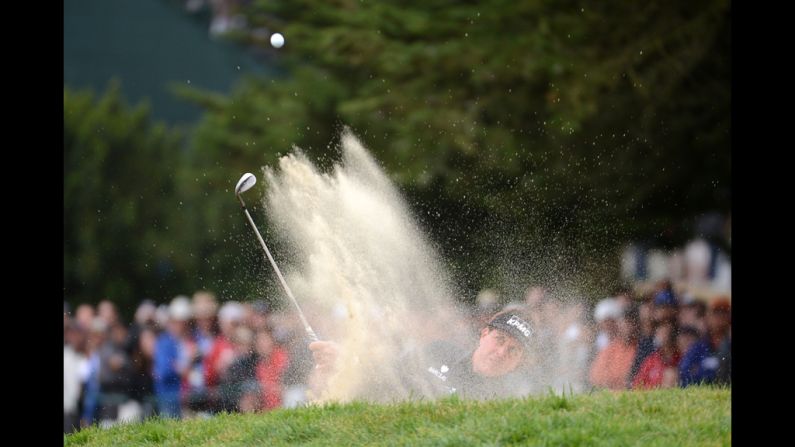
660, 368
270, 369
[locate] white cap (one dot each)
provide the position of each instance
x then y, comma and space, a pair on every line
231, 311
607, 308
180, 308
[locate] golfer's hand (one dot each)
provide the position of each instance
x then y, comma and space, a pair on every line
325, 354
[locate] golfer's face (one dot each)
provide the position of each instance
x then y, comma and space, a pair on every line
498, 353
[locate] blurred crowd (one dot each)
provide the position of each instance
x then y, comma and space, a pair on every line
195, 357
189, 358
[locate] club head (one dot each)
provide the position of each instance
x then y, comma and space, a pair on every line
245, 183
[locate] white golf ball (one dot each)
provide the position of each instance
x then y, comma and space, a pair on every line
277, 40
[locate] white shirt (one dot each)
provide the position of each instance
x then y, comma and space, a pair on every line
72, 364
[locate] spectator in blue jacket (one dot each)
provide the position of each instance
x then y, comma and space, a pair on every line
701, 362
170, 363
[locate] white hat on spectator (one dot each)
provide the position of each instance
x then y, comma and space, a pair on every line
231, 311
180, 308
607, 308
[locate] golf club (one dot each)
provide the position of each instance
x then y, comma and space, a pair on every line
244, 184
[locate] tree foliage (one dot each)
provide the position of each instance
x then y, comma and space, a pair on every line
119, 200
524, 129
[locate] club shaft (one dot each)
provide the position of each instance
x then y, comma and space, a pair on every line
308, 328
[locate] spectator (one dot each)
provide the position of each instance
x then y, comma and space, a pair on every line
169, 363
271, 364
694, 314
222, 352
660, 368
646, 337
701, 362
73, 360
612, 365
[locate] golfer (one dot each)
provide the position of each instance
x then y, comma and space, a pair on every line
488, 370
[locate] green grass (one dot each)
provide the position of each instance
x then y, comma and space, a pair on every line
692, 416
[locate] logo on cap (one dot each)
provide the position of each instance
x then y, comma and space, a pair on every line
519, 324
